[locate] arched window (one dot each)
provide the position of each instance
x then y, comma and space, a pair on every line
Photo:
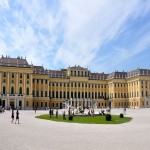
27, 91
4, 90
20, 90
12, 90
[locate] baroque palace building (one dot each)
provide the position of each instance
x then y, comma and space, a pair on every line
28, 86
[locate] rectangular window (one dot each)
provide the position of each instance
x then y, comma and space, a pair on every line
27, 76
20, 75
41, 104
27, 103
45, 104
12, 75
45, 93
41, 81
57, 105
142, 94
45, 81
20, 81
4, 75
41, 93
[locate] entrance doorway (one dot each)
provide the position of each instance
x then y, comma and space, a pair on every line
20, 104
12, 104
2, 103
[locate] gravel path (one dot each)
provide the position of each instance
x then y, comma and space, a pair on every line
37, 134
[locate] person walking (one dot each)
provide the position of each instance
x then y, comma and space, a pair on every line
12, 116
17, 116
57, 113
124, 111
64, 118
35, 110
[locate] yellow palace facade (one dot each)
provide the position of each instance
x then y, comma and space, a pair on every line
28, 86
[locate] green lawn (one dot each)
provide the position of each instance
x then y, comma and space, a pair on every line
87, 119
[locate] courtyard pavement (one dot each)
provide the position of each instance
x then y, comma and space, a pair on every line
37, 134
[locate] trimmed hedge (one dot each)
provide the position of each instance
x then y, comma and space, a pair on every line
121, 115
70, 117
108, 117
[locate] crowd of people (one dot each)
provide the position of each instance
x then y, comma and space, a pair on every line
91, 112
2, 110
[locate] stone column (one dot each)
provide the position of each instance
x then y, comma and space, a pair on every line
8, 82
8, 102
87, 90
24, 88
0, 82
17, 81
59, 90
70, 90
66, 89
23, 103
15, 102
39, 88
48, 88
94, 91
31, 84
55, 90
100, 90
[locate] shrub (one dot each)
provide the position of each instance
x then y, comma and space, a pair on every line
108, 117
70, 117
121, 115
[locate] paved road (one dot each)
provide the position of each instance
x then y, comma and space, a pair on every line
36, 134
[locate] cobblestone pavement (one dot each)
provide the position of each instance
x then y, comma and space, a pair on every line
37, 134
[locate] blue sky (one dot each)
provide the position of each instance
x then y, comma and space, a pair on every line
102, 35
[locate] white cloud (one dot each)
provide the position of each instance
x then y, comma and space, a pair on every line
4, 4
90, 24
73, 33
